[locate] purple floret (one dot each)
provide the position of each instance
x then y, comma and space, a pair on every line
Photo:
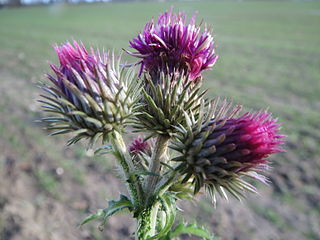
173, 44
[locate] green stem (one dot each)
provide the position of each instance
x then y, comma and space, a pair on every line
153, 218
144, 227
125, 161
166, 182
147, 219
159, 155
147, 222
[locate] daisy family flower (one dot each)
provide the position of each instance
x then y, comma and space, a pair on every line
90, 94
75, 64
227, 149
139, 145
174, 44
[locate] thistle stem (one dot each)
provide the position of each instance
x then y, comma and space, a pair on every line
124, 159
166, 183
147, 222
144, 226
159, 155
153, 218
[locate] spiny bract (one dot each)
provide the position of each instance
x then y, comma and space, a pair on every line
91, 95
223, 150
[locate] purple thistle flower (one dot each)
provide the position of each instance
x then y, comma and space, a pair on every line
138, 145
76, 57
91, 95
172, 44
227, 149
75, 65
248, 140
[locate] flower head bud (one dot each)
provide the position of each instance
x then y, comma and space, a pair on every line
228, 148
165, 103
90, 96
173, 44
139, 145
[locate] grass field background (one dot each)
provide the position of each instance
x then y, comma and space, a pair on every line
269, 57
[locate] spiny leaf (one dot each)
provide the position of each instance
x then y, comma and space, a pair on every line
103, 150
99, 214
142, 172
191, 229
169, 208
113, 208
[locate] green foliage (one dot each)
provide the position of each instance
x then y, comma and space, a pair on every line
144, 173
165, 204
105, 149
168, 204
114, 207
190, 229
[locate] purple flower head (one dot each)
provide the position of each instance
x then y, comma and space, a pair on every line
139, 145
76, 57
229, 148
173, 44
90, 91
247, 140
76, 65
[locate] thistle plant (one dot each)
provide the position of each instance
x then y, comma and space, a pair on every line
193, 144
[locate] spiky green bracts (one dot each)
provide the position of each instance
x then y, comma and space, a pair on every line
91, 95
165, 99
218, 150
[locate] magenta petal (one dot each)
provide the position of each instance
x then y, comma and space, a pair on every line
173, 44
138, 145
255, 136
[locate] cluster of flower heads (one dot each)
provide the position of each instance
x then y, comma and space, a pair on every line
216, 148
225, 148
172, 44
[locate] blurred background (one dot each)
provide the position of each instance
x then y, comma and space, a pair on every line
269, 58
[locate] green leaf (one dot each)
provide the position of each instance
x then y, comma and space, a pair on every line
191, 229
167, 165
113, 208
169, 208
99, 214
103, 150
142, 172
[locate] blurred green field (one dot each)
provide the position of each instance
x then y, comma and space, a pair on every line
269, 58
